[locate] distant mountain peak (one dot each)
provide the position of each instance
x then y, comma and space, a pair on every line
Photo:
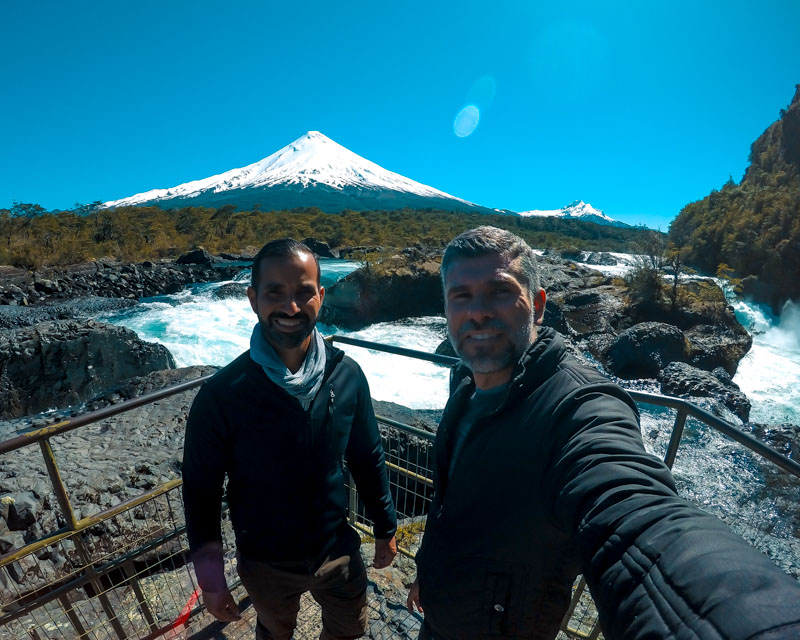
311, 161
577, 209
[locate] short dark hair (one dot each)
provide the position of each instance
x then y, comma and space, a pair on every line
282, 248
487, 240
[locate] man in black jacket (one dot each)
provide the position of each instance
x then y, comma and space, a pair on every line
278, 421
540, 474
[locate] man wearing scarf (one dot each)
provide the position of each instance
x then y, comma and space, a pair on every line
278, 421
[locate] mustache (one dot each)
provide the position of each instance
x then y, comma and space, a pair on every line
297, 316
472, 325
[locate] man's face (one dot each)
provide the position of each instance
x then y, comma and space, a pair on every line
490, 317
288, 300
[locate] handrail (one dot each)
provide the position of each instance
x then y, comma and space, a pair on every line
29, 437
400, 351
723, 426
680, 404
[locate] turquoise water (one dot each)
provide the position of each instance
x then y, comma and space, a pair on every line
199, 328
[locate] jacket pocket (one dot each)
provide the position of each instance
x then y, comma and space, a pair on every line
505, 606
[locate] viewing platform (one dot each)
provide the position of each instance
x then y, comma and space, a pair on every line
124, 571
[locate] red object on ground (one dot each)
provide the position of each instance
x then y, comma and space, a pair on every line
187, 610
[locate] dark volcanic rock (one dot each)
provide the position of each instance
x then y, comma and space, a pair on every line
646, 348
322, 249
195, 256
91, 307
23, 511
718, 346
57, 364
682, 379
231, 290
601, 259
784, 437
106, 279
395, 288
445, 348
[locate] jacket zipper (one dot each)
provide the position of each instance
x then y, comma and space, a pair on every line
482, 421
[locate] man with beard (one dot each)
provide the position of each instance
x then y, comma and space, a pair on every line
540, 474
278, 421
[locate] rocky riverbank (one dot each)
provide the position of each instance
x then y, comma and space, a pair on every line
110, 279
691, 350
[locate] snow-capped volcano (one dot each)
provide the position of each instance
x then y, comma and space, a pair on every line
576, 210
311, 171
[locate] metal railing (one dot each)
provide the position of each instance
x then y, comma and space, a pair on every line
124, 571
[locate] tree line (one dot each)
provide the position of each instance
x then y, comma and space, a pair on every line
752, 229
32, 238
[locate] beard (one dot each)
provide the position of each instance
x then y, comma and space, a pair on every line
283, 339
486, 359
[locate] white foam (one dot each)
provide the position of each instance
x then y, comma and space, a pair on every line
769, 373
414, 383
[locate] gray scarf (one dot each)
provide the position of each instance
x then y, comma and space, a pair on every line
304, 384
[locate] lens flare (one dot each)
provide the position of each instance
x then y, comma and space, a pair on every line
466, 121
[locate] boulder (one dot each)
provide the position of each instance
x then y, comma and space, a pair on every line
682, 379
394, 288
23, 511
718, 346
58, 364
231, 290
601, 258
590, 310
646, 348
322, 249
784, 437
196, 256
446, 348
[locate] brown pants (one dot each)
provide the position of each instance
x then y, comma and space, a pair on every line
339, 586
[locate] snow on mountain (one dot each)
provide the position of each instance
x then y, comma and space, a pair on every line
313, 160
575, 210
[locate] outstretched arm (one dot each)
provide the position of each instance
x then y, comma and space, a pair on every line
656, 565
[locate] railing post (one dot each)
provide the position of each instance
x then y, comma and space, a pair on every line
130, 573
352, 503
69, 611
675, 438
58, 484
91, 573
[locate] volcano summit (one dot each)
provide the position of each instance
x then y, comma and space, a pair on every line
312, 171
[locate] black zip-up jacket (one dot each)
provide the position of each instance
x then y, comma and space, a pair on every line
285, 488
556, 482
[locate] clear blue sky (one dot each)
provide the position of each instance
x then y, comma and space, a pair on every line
637, 107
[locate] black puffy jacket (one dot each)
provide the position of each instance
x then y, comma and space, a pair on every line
557, 482
284, 465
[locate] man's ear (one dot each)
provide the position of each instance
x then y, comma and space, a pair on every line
539, 302
321, 295
252, 296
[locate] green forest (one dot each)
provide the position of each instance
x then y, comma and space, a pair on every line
32, 238
751, 230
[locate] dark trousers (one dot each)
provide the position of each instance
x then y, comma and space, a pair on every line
339, 586
425, 633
